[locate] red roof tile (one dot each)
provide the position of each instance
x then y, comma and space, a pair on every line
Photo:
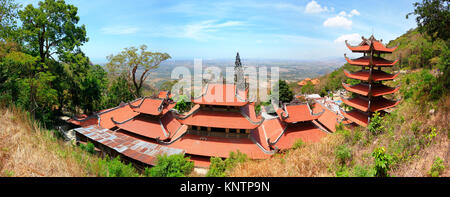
329, 119
357, 117
163, 94
128, 145
269, 129
378, 46
218, 147
376, 105
376, 75
83, 120
119, 114
149, 106
377, 90
306, 131
222, 94
218, 119
146, 126
298, 113
365, 61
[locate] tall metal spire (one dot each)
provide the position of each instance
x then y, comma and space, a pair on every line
238, 61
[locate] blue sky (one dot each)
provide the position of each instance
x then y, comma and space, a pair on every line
258, 29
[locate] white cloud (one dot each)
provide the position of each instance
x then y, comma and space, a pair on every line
313, 8
351, 38
119, 30
338, 21
354, 13
199, 31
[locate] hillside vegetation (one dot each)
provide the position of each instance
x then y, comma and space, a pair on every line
413, 140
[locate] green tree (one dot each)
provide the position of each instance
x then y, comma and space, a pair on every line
433, 17
116, 92
49, 32
132, 62
171, 166
51, 29
8, 18
285, 93
308, 88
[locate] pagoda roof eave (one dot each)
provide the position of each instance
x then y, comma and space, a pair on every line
357, 117
363, 89
366, 61
376, 75
376, 105
378, 46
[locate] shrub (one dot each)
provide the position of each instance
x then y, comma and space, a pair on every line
115, 168
363, 171
219, 167
437, 168
171, 166
181, 105
298, 143
375, 126
343, 154
382, 162
89, 147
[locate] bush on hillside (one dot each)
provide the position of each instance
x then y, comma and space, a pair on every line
437, 168
382, 162
171, 166
219, 167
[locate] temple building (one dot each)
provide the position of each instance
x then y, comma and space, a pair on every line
370, 92
220, 121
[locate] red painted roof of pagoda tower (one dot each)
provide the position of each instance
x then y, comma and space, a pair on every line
365, 61
377, 75
357, 117
376, 105
377, 90
378, 46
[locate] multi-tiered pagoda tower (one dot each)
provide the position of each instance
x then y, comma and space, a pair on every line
370, 91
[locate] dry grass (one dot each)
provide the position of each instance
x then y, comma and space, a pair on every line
311, 160
27, 150
417, 155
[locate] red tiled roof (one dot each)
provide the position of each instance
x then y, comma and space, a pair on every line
378, 46
120, 114
306, 131
163, 94
298, 113
149, 106
377, 90
376, 75
128, 145
329, 119
199, 161
218, 119
222, 94
305, 81
145, 126
83, 120
269, 129
357, 117
376, 104
365, 61
218, 147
